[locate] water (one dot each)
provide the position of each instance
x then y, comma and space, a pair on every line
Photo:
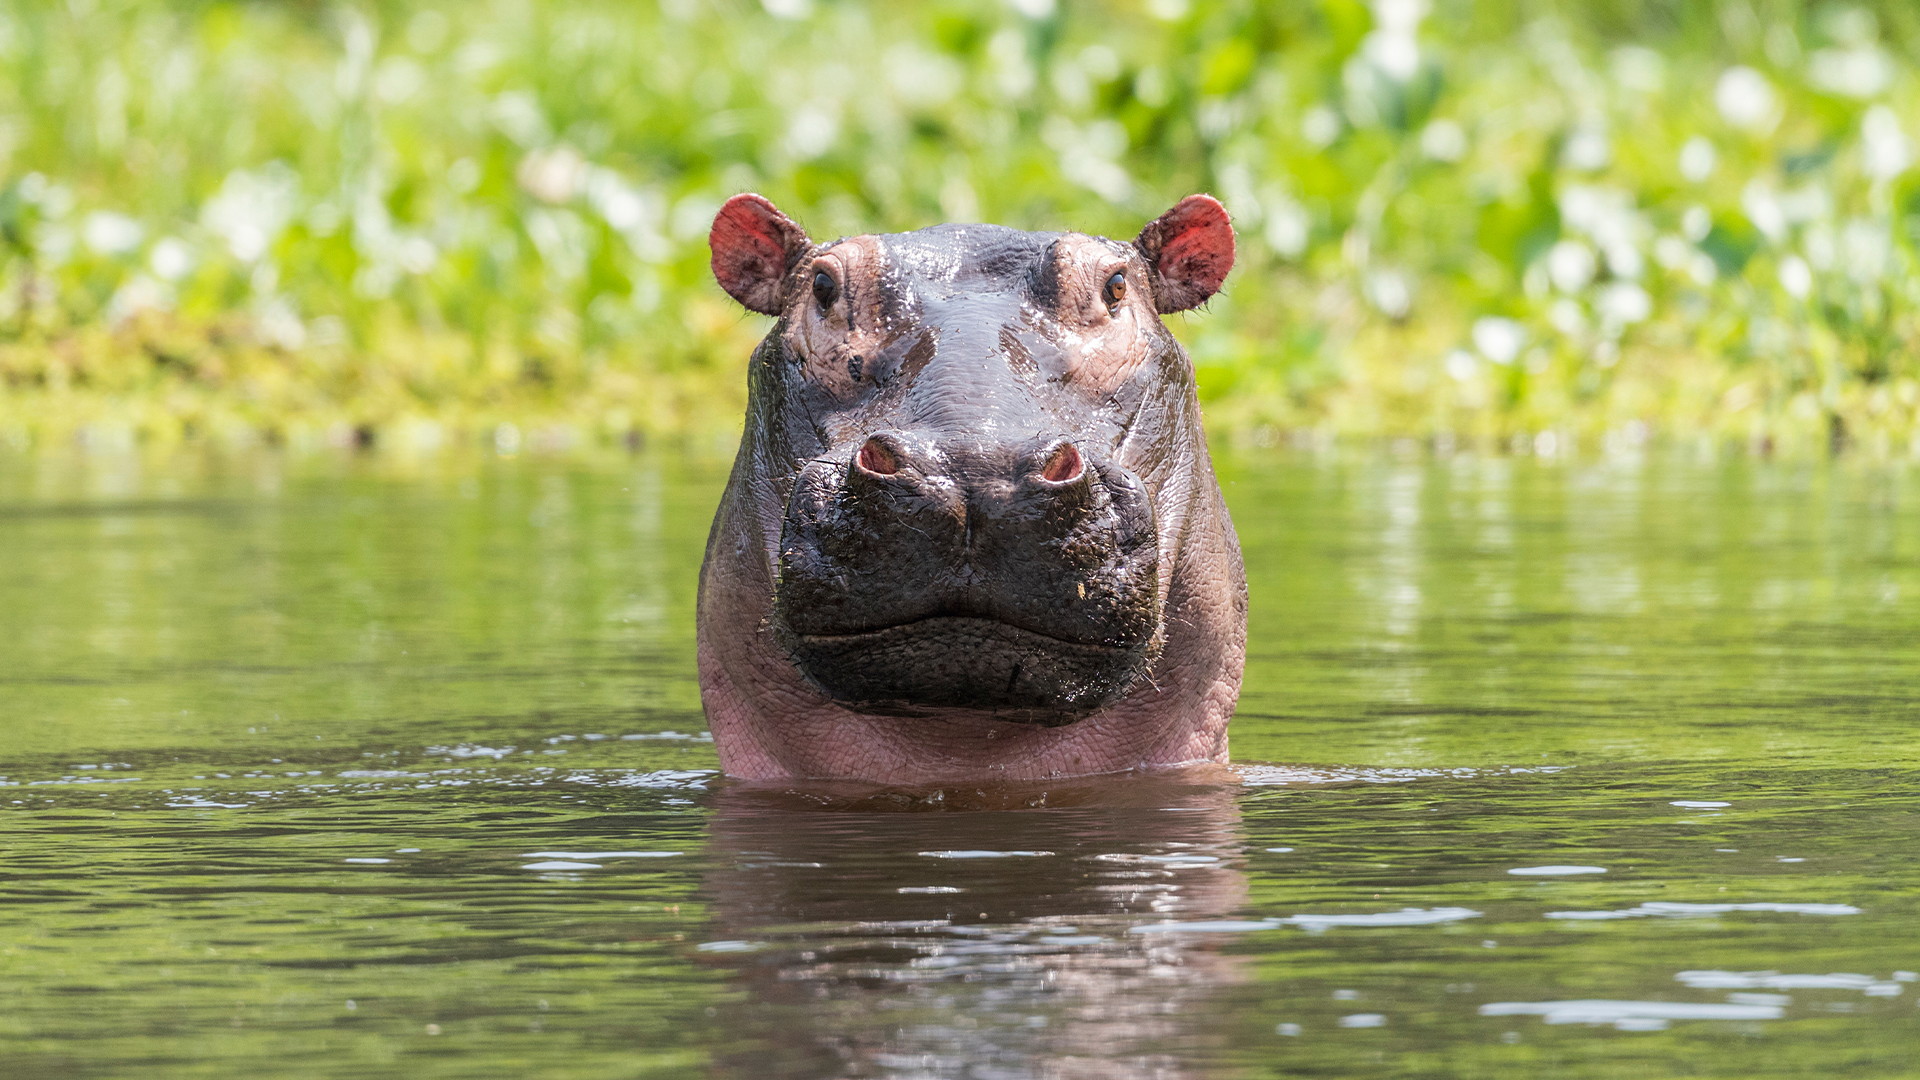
361, 767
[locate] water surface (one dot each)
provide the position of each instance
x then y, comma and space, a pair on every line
346, 767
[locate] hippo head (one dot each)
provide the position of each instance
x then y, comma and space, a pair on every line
970, 455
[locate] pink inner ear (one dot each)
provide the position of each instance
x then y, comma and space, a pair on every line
749, 241
1197, 249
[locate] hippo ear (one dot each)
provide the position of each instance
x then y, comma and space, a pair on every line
754, 245
1190, 248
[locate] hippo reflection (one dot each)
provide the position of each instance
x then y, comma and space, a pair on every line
973, 530
875, 942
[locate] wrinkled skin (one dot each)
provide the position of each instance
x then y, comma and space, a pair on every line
972, 531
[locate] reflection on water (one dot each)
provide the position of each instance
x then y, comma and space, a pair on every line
874, 955
360, 767
1669, 908
1655, 1015
1632, 1015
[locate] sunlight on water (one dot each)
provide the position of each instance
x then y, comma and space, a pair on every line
1630, 1015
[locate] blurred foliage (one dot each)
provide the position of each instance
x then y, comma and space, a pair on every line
1561, 223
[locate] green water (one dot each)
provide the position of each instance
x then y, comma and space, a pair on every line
361, 767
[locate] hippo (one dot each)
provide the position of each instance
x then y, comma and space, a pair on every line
972, 531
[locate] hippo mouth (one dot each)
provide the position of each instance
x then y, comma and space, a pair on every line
968, 661
961, 579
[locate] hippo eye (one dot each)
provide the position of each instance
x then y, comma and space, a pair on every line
1115, 290
824, 290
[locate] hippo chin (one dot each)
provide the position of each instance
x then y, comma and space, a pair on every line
972, 530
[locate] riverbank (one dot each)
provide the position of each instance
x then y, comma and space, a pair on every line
1458, 223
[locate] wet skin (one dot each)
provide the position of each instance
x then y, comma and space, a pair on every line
972, 530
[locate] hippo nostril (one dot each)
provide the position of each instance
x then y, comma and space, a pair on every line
878, 458
1062, 466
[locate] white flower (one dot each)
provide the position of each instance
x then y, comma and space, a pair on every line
111, 234
552, 175
1702, 269
1399, 16
140, 293
1696, 223
1625, 261
1641, 69
463, 175
1697, 159
170, 258
1763, 208
517, 113
397, 79
1796, 277
1398, 55
1393, 46
252, 208
1320, 125
278, 324
1622, 303
1013, 74
1745, 98
1087, 155
922, 79
1444, 140
623, 207
1498, 339
812, 132
1865, 249
1100, 63
1567, 316
1390, 292
1672, 252
1859, 72
1587, 149
416, 254
1071, 86
1462, 365
1604, 214
1289, 227
1885, 150
1571, 265
1809, 202
1821, 247
562, 240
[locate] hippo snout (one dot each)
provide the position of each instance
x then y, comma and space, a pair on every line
1055, 467
921, 571
1047, 480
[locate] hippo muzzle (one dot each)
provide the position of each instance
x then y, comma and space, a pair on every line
1018, 576
972, 507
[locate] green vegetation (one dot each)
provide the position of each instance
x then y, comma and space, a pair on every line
1548, 224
